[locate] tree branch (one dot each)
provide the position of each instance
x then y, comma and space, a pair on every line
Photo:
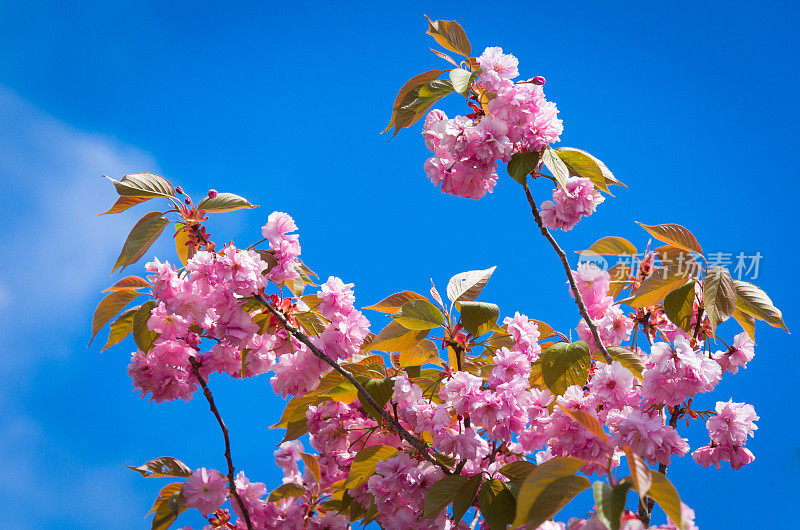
646, 508
561, 254
215, 411
415, 442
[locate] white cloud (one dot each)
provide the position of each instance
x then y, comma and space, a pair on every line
56, 251
57, 248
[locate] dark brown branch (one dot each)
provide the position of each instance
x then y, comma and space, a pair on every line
215, 411
415, 442
561, 254
646, 508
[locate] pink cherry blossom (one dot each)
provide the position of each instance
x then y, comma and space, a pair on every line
741, 353
647, 435
579, 199
205, 489
733, 423
525, 334
495, 65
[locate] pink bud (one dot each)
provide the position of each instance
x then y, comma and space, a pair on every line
178, 189
212, 194
188, 201
538, 80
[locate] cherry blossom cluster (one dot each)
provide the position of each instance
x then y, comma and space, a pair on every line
484, 422
369, 436
205, 301
578, 199
518, 118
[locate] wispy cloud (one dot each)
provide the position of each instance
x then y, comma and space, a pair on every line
53, 189
55, 251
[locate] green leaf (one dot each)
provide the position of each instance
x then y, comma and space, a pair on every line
311, 322
441, 494
418, 101
466, 286
182, 244
128, 282
419, 315
497, 504
295, 429
296, 408
165, 466
564, 365
449, 461
517, 471
754, 301
747, 321
463, 499
410, 85
395, 337
610, 246
449, 35
312, 465
589, 422
288, 490
674, 235
582, 164
657, 286
142, 236
120, 328
392, 303
109, 307
664, 493
538, 480
522, 164
479, 318
164, 494
224, 202
556, 166
627, 358
553, 497
142, 335
379, 389
641, 474
461, 79
425, 352
610, 502
719, 295
146, 185
678, 306
444, 56
438, 88
669, 255
123, 203
168, 511
363, 465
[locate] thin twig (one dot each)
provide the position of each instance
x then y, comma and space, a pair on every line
415, 442
215, 411
561, 254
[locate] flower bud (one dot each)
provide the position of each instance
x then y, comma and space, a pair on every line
178, 189
538, 80
212, 193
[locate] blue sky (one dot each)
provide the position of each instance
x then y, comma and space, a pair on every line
693, 105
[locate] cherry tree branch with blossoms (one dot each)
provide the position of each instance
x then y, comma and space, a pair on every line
418, 444
449, 411
231, 470
568, 271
